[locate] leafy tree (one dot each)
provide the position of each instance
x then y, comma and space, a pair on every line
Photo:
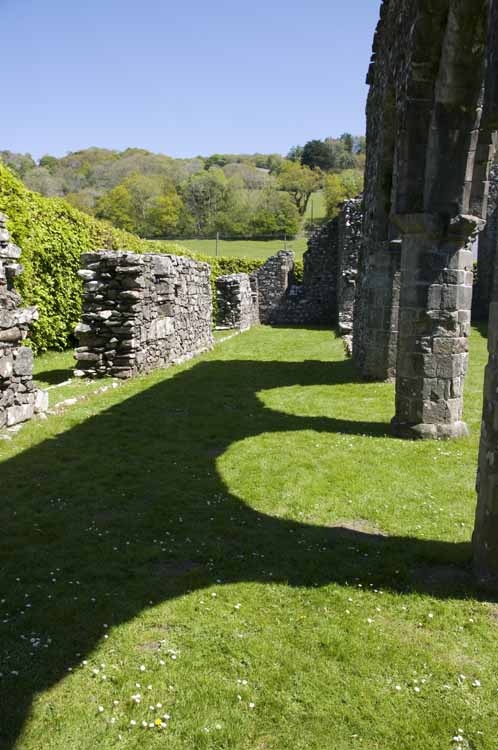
204, 196
317, 154
347, 140
275, 215
20, 164
340, 187
145, 204
49, 162
42, 181
117, 207
163, 215
300, 182
295, 153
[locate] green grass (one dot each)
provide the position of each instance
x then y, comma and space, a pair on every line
316, 207
255, 249
249, 514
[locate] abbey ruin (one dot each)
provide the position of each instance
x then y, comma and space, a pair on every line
432, 114
393, 272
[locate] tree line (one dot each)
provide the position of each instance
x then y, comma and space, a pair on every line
237, 195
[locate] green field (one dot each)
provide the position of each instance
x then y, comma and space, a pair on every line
256, 249
236, 552
316, 206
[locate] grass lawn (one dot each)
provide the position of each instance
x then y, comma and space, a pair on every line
256, 249
316, 207
238, 544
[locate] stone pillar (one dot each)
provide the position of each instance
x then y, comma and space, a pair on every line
485, 537
376, 311
434, 324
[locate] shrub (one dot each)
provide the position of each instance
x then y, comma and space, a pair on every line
52, 235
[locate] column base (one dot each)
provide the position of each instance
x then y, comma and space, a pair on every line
429, 431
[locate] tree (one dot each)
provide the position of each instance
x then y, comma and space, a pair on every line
205, 195
300, 182
20, 164
274, 215
317, 154
340, 187
163, 214
117, 207
295, 153
49, 162
347, 140
145, 204
41, 181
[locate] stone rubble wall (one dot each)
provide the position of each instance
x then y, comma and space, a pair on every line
19, 399
141, 312
237, 299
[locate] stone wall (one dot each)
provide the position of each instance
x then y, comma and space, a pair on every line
327, 294
141, 312
350, 237
275, 278
237, 300
19, 399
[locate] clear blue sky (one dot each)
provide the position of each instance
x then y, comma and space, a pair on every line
182, 78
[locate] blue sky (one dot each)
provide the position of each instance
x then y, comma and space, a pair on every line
182, 78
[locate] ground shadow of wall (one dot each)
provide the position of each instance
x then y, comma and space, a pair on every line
143, 468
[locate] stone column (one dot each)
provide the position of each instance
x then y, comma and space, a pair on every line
376, 312
434, 324
485, 537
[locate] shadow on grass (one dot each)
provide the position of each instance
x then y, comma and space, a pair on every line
82, 512
54, 377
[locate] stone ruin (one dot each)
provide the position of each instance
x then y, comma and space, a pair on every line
432, 117
141, 312
19, 399
327, 294
237, 300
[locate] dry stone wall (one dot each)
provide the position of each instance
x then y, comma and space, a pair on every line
19, 399
237, 301
141, 312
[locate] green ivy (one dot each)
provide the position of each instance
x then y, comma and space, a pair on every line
52, 235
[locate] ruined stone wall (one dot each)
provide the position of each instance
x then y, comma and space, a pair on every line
350, 237
141, 312
487, 249
237, 300
327, 294
274, 279
19, 399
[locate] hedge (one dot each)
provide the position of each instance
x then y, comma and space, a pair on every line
52, 235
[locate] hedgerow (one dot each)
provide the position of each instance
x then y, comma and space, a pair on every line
52, 235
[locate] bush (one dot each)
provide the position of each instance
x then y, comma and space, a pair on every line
52, 235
